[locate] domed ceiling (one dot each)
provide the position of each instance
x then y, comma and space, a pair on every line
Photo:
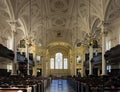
49, 21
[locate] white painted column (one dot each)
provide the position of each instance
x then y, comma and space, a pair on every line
27, 56
83, 67
103, 51
90, 58
14, 63
43, 65
34, 68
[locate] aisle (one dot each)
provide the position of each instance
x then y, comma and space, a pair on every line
59, 86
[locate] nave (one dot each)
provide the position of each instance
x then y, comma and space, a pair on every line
74, 39
59, 86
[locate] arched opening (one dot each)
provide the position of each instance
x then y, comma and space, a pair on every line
58, 62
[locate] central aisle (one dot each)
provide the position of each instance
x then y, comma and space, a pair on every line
59, 86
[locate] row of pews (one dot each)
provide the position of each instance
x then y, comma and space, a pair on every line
23, 84
95, 84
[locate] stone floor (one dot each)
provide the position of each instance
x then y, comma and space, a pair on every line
59, 86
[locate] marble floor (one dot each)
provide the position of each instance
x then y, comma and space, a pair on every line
59, 86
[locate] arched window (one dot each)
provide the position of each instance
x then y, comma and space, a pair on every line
52, 63
65, 63
58, 62
108, 43
38, 59
58, 59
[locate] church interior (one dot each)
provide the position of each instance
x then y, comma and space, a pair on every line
59, 45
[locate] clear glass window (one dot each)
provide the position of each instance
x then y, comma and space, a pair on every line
52, 63
65, 63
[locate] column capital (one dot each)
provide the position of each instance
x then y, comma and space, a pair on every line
13, 24
28, 42
104, 29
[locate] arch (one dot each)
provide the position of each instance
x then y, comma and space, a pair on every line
58, 60
24, 27
64, 44
96, 22
10, 10
107, 10
23, 8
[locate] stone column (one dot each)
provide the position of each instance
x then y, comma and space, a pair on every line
90, 58
14, 63
103, 51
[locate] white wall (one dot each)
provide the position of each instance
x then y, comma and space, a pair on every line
114, 33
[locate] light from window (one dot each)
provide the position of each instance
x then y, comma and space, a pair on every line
109, 68
65, 63
38, 59
52, 63
9, 67
58, 62
108, 44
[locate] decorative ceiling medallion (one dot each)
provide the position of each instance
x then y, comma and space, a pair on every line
34, 10
82, 9
59, 5
59, 21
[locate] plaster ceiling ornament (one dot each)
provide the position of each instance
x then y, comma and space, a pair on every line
2, 4
58, 5
83, 9
117, 3
59, 21
20, 4
58, 35
113, 11
4, 13
60, 16
34, 10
